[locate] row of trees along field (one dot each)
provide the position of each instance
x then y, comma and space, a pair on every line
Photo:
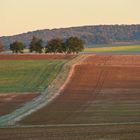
70, 45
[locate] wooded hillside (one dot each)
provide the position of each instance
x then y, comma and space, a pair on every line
101, 34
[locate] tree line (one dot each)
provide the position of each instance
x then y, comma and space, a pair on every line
68, 46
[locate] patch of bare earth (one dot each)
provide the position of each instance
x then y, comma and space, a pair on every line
11, 101
35, 56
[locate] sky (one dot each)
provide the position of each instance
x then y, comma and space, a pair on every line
18, 16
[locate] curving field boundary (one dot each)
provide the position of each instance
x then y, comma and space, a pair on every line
46, 97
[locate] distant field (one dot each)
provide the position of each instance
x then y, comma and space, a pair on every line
36, 56
109, 48
27, 76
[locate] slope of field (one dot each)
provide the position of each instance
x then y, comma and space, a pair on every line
104, 89
134, 48
46, 95
10, 102
100, 101
27, 76
23, 77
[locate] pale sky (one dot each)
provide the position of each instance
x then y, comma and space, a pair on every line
18, 16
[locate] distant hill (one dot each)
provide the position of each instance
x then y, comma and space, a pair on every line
101, 34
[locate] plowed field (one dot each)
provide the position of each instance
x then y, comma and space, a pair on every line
10, 102
100, 101
34, 56
122, 132
103, 89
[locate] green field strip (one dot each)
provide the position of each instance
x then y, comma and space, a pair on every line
28, 76
135, 48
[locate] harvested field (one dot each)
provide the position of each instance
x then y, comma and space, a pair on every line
103, 89
34, 56
122, 132
12, 101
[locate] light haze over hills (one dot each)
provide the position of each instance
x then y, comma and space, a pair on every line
101, 34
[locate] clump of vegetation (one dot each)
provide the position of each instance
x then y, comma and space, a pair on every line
74, 45
56, 45
36, 45
17, 47
71, 45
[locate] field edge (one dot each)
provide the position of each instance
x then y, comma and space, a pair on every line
45, 97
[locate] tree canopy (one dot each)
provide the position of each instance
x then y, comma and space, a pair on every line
54, 46
36, 45
74, 45
101, 38
17, 47
70, 45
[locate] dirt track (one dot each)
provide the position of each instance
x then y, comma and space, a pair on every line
103, 89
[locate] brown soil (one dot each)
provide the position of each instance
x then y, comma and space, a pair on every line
121, 132
11, 101
34, 56
102, 89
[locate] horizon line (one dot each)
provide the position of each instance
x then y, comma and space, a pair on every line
66, 27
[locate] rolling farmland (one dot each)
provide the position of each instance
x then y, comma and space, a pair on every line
100, 101
104, 89
24, 77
